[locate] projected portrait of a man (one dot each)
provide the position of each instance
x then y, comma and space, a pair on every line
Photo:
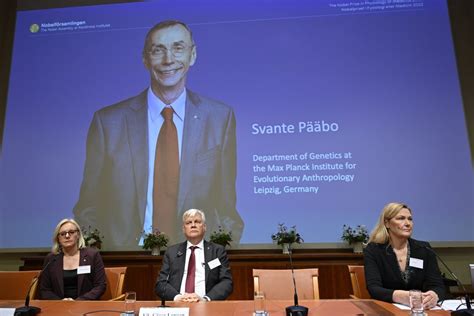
153, 156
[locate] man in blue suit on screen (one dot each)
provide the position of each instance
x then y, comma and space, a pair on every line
153, 156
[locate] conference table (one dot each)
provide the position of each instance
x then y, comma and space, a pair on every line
347, 307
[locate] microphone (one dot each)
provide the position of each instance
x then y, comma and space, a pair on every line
295, 310
28, 310
460, 312
163, 301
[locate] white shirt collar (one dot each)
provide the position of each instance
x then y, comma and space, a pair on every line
155, 105
200, 245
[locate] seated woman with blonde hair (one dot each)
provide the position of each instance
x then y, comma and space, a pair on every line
71, 271
395, 263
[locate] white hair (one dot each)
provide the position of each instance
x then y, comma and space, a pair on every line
193, 212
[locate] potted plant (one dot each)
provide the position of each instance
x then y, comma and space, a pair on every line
285, 237
221, 237
155, 240
92, 238
355, 236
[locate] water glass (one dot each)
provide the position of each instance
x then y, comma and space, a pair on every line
130, 299
416, 302
259, 304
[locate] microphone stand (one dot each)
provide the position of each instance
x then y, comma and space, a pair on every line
468, 311
295, 310
163, 301
28, 310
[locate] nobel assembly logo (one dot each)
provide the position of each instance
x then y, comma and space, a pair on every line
68, 26
34, 28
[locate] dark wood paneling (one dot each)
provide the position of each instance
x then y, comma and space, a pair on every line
142, 272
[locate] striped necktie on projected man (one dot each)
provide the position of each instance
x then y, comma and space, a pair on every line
166, 177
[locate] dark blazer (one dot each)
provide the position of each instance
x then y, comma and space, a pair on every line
383, 276
113, 192
218, 280
90, 286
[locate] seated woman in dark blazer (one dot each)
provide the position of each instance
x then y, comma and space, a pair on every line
71, 271
395, 263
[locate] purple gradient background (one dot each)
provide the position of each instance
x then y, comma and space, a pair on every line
389, 79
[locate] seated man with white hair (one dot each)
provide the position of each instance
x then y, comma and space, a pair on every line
196, 269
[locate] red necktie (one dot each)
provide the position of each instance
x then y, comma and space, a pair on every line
166, 177
189, 288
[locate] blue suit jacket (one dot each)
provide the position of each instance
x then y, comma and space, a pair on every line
114, 187
218, 280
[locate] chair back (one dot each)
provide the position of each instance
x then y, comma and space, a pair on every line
359, 286
278, 284
14, 285
115, 282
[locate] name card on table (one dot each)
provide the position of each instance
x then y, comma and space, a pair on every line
164, 311
7, 311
